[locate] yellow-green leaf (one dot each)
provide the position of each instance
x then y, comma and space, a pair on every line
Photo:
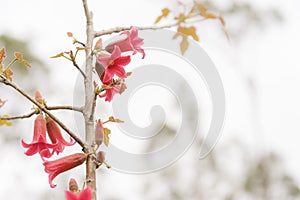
19, 57
5, 122
165, 12
106, 136
2, 55
8, 74
189, 31
176, 35
209, 16
112, 119
81, 48
58, 55
123, 88
202, 9
181, 17
184, 44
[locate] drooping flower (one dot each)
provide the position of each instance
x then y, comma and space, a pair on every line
56, 167
56, 136
39, 143
110, 92
113, 64
131, 42
85, 194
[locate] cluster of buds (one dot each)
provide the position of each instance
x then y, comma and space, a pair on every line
111, 62
101, 135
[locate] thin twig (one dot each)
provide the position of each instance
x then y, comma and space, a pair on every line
78, 68
119, 29
41, 107
20, 116
78, 109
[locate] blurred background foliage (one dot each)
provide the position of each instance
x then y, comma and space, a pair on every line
15, 45
245, 16
21, 75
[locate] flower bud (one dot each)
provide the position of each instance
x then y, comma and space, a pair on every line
98, 45
73, 186
99, 133
38, 97
101, 156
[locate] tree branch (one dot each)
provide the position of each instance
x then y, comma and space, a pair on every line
119, 29
78, 109
193, 20
78, 68
94, 105
20, 116
88, 107
41, 107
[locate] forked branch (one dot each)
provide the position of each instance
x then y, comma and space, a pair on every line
44, 109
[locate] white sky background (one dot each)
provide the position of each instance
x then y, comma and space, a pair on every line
271, 56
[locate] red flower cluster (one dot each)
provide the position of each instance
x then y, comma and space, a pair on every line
110, 62
39, 143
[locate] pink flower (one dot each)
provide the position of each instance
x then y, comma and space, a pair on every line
56, 137
113, 64
39, 143
86, 194
55, 167
131, 42
110, 92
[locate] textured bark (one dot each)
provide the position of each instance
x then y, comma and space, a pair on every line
88, 107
